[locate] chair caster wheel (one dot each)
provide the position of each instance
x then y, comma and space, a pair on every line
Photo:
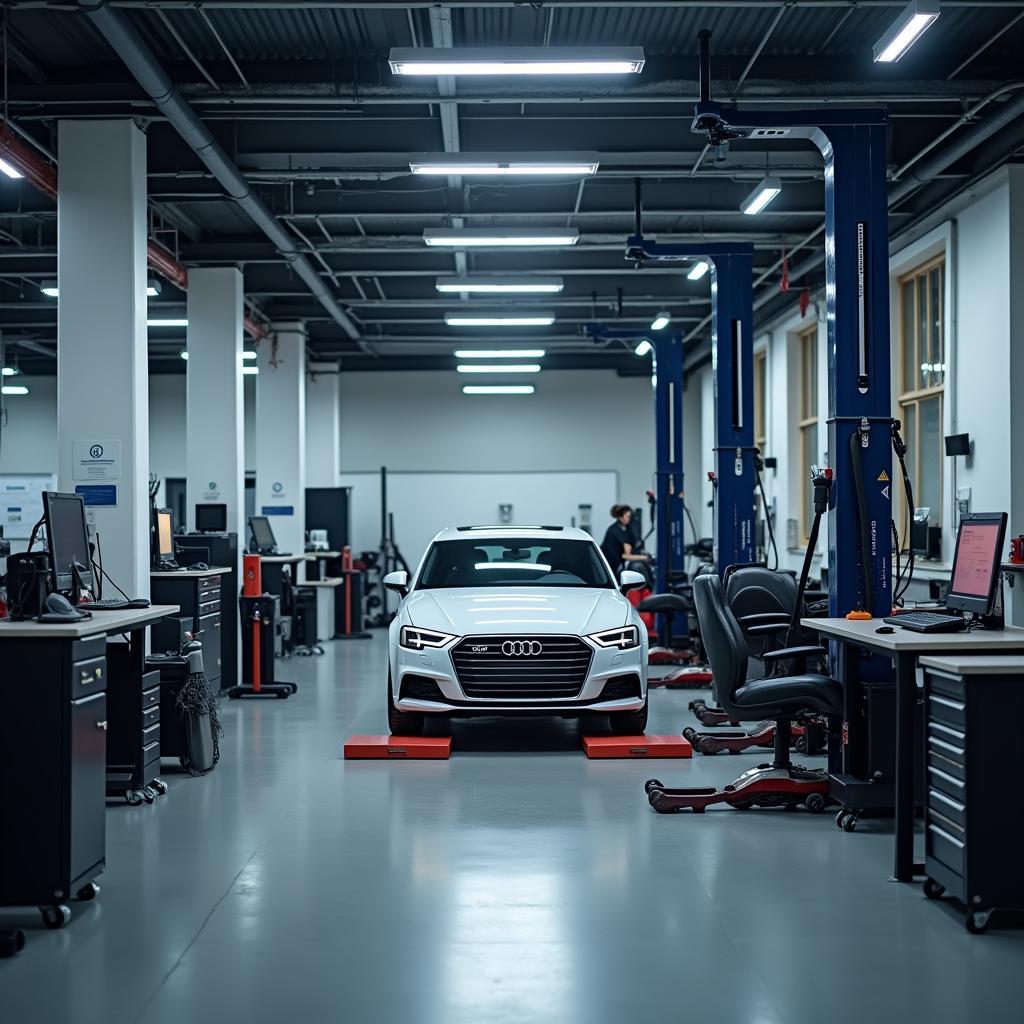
56, 916
159, 786
977, 921
88, 892
815, 803
652, 784
850, 824
148, 794
133, 797
932, 889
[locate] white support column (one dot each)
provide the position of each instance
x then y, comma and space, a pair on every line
215, 443
281, 434
323, 429
102, 361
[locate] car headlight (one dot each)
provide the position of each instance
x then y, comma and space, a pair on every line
623, 638
414, 639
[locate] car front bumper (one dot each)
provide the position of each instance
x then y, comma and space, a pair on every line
436, 665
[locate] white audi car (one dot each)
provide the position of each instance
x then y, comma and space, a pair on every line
515, 620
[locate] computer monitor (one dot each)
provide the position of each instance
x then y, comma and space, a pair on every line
211, 518
262, 534
163, 535
68, 539
979, 549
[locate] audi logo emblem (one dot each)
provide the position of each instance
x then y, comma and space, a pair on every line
521, 648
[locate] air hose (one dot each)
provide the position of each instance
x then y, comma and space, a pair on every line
758, 466
899, 446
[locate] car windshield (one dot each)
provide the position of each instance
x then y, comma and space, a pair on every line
513, 562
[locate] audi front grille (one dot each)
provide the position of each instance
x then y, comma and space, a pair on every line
523, 667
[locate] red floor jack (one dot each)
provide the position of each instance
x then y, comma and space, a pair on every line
257, 613
779, 784
807, 736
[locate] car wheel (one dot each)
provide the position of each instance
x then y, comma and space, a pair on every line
402, 723
629, 723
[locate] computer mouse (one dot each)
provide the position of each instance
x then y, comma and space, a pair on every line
60, 609
886, 629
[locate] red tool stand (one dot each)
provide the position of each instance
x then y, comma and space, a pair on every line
348, 620
257, 613
398, 748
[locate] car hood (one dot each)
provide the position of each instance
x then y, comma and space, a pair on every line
518, 610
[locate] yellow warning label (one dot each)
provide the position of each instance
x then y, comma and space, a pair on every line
883, 476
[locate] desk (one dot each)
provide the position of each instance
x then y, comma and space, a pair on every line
903, 648
53, 732
319, 566
325, 614
272, 567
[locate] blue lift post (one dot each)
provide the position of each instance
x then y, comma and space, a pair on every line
732, 356
668, 433
852, 143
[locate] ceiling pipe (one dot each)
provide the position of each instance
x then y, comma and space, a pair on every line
42, 175
143, 65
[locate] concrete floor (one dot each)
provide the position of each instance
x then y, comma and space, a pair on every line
517, 882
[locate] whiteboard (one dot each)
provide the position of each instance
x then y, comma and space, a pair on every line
423, 503
21, 502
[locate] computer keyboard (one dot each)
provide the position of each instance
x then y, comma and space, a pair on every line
928, 622
113, 604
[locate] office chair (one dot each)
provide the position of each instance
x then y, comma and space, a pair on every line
781, 698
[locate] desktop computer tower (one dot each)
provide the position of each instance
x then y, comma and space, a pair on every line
219, 549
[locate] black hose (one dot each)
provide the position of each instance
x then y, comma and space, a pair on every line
805, 572
864, 530
767, 513
901, 449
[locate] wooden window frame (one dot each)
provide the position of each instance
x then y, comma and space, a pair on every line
807, 418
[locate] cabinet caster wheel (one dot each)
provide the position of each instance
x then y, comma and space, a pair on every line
840, 817
56, 916
801, 745
652, 784
148, 795
283, 695
815, 803
850, 824
932, 889
133, 797
977, 921
88, 892
159, 786
11, 942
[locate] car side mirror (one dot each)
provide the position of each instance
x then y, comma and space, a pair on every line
398, 582
631, 580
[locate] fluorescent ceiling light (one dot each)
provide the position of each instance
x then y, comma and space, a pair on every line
10, 170
697, 271
462, 238
498, 389
643, 348
250, 371
764, 192
248, 355
152, 288
499, 353
661, 321
499, 368
167, 323
905, 30
11, 371
501, 285
184, 354
499, 319
50, 288
517, 60
15, 389
505, 165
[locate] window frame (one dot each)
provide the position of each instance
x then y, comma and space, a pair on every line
760, 395
807, 418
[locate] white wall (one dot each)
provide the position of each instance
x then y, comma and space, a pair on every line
577, 420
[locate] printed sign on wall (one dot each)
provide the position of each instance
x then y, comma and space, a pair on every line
96, 460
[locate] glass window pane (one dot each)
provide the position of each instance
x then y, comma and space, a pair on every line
922, 331
907, 339
930, 457
909, 417
936, 311
809, 442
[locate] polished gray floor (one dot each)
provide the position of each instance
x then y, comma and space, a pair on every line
516, 883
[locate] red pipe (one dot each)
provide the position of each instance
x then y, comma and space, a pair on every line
42, 174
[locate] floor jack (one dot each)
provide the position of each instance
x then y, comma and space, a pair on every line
807, 736
257, 610
779, 784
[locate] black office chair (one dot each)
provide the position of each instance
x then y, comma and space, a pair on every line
781, 698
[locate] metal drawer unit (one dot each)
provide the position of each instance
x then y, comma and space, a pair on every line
974, 821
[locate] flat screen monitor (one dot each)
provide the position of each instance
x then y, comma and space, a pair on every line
975, 576
163, 539
211, 518
262, 534
68, 538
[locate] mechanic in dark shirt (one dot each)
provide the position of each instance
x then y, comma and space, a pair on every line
620, 542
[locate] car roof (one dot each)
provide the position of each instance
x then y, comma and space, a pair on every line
537, 533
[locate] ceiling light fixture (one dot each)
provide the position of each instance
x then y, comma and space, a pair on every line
905, 30
11, 371
250, 371
462, 238
698, 270
661, 321
15, 389
499, 368
505, 165
499, 320
248, 355
153, 322
499, 353
764, 192
517, 60
498, 389
500, 285
10, 170
50, 288
643, 348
